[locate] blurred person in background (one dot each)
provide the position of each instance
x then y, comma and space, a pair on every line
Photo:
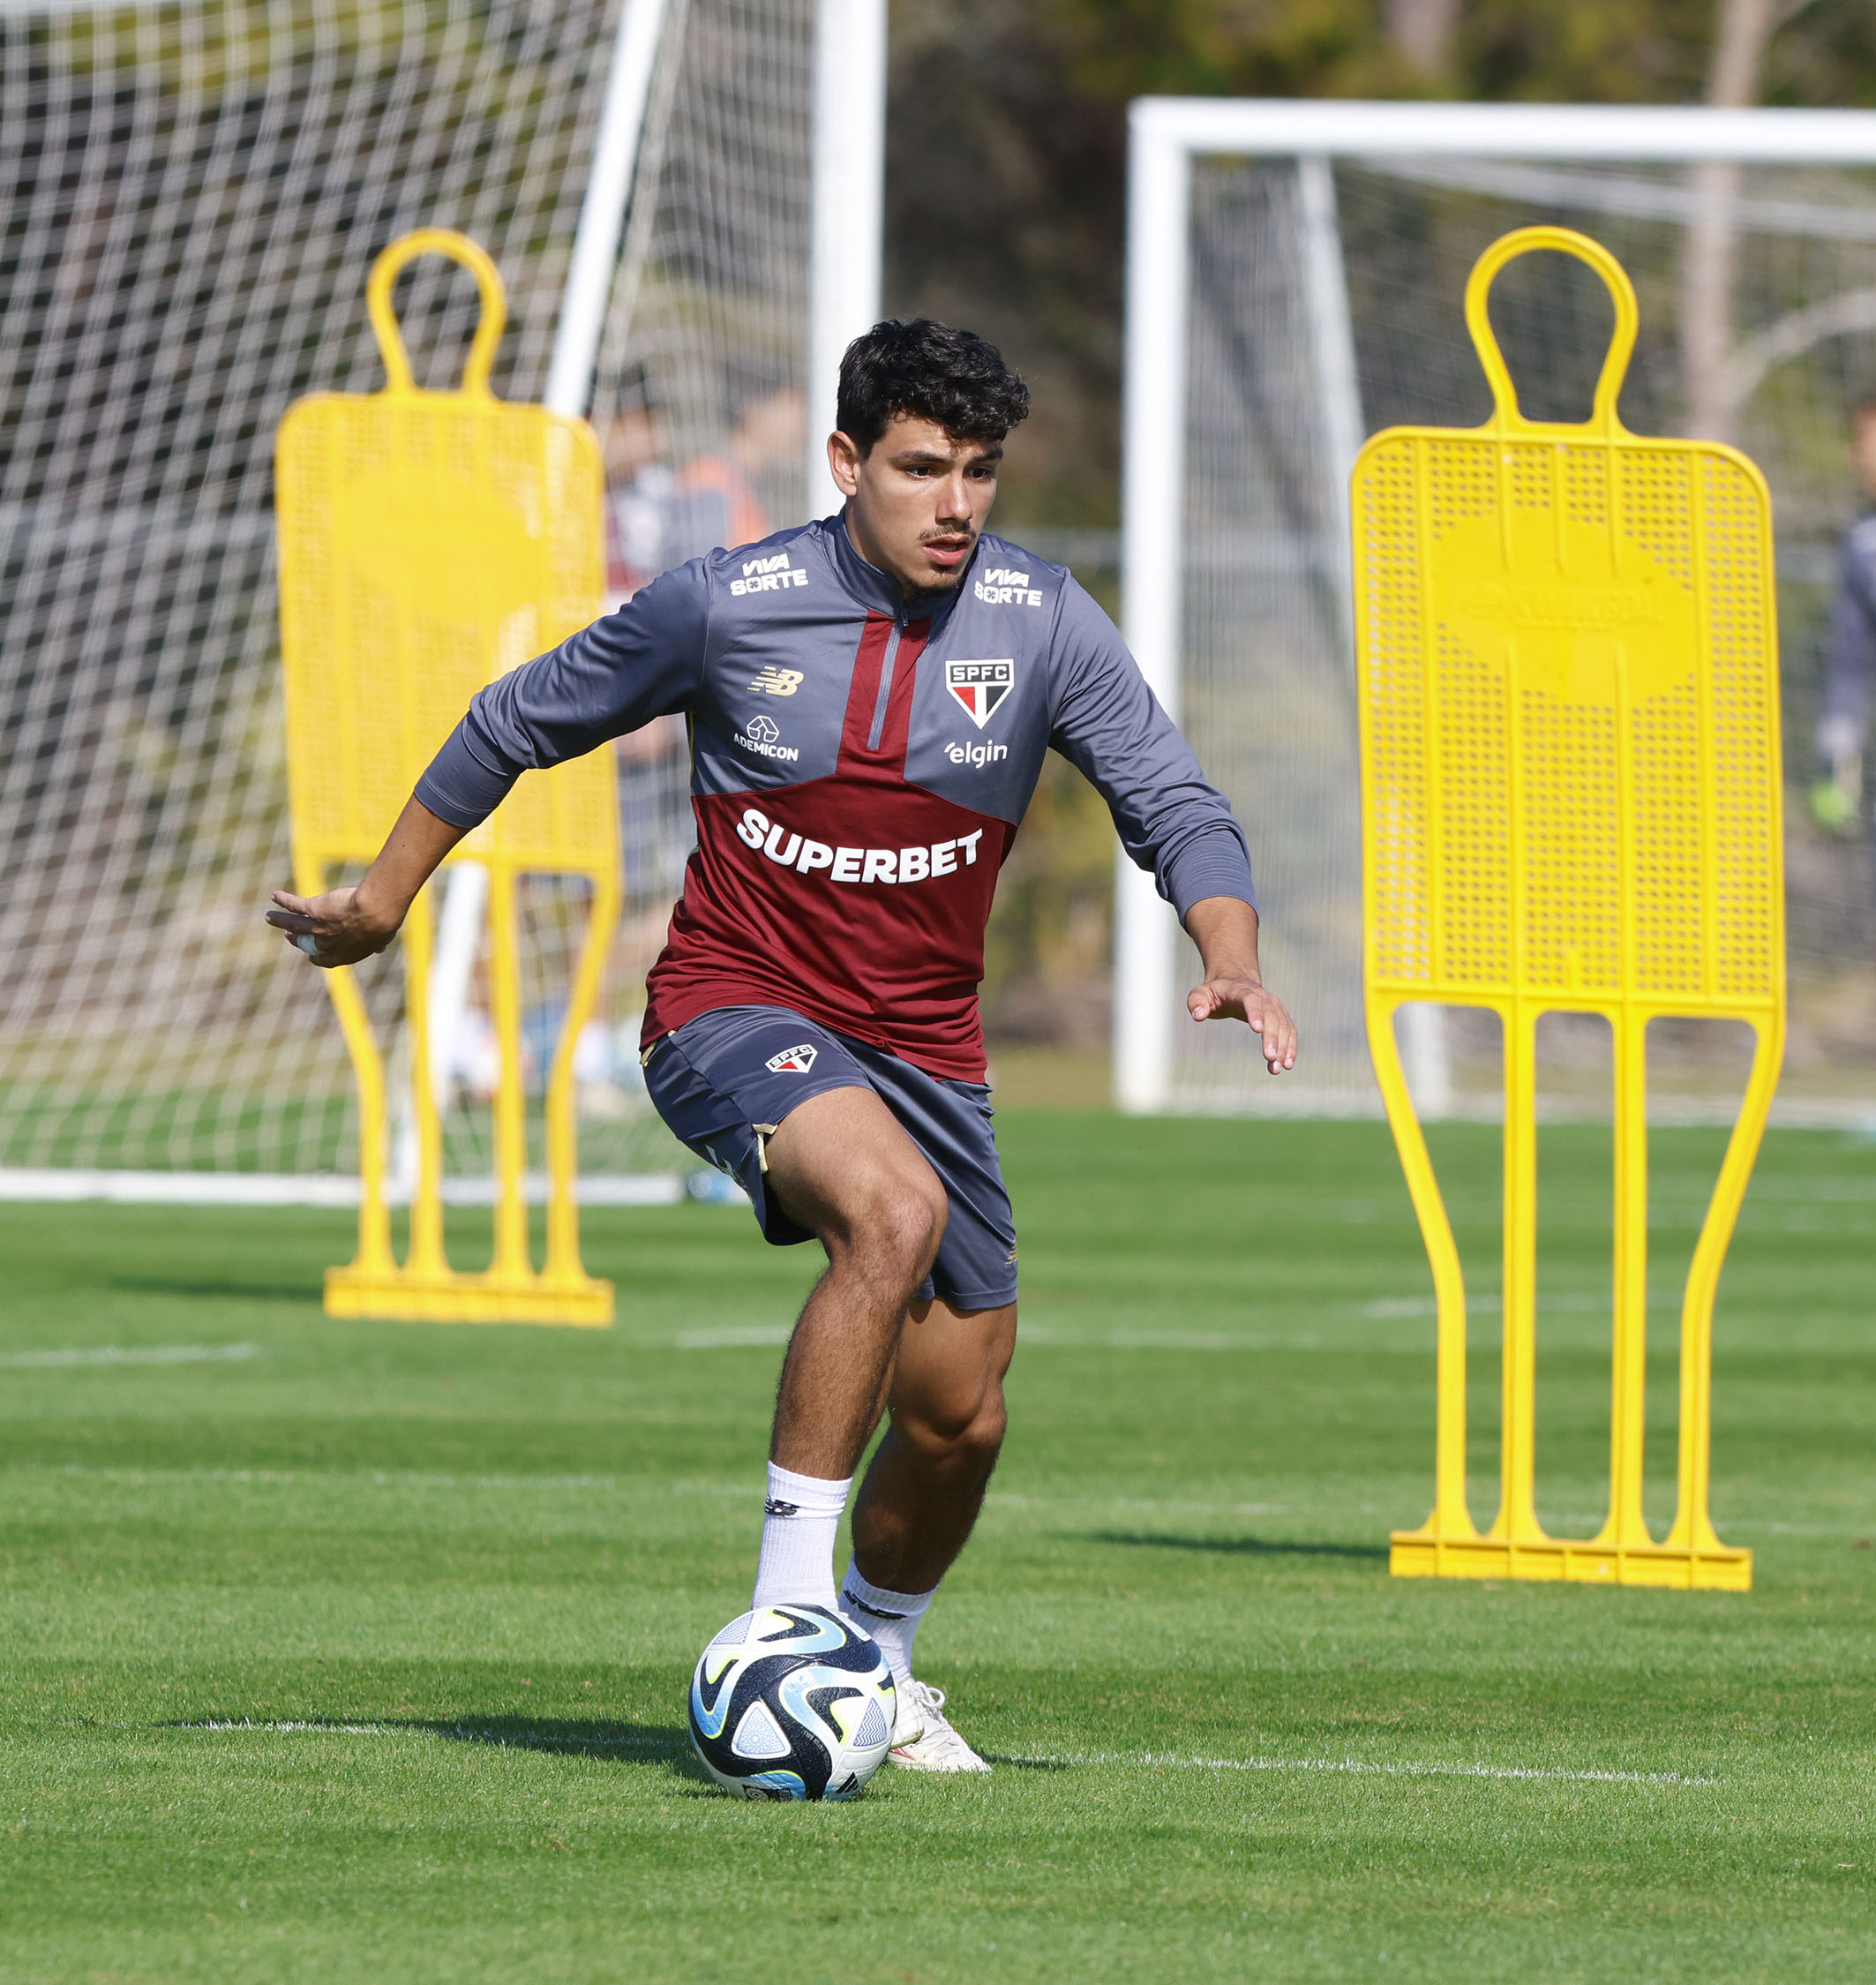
657, 518
719, 502
641, 491
1849, 655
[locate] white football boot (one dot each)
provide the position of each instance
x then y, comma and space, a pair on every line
922, 1741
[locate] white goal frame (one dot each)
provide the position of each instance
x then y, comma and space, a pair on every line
1166, 135
844, 300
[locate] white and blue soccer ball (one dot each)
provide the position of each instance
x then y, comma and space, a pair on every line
791, 1702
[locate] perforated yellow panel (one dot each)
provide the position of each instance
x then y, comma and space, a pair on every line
429, 542
1569, 704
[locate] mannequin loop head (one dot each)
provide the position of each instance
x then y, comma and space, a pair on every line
1563, 240
460, 249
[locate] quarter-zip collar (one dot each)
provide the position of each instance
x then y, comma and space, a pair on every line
879, 592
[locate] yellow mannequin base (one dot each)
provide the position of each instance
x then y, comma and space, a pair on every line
450, 1297
1416, 1554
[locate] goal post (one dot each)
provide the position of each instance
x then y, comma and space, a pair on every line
1294, 272
192, 194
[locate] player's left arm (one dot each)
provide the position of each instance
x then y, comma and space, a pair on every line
1225, 929
1171, 818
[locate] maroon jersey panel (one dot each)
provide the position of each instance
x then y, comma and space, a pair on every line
859, 901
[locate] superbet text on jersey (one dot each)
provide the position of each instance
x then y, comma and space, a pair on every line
859, 766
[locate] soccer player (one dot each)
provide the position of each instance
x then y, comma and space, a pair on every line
1836, 797
869, 699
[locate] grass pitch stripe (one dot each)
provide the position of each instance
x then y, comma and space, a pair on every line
499, 1738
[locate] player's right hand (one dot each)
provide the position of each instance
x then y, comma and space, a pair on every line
331, 929
1834, 807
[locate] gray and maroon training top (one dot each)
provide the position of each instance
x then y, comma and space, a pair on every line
860, 767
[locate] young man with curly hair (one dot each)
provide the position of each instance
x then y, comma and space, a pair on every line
869, 699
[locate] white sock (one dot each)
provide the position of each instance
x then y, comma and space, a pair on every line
799, 1522
891, 1618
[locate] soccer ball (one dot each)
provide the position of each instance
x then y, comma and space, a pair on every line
791, 1702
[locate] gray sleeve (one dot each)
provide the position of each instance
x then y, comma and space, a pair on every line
644, 661
1849, 655
1109, 725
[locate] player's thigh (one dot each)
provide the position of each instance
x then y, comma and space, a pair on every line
842, 1165
952, 1123
948, 1380
731, 1082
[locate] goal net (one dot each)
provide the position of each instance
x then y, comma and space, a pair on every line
1305, 291
190, 196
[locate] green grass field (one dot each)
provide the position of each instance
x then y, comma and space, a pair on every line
356, 1652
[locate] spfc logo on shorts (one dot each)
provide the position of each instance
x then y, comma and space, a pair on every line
793, 1061
979, 686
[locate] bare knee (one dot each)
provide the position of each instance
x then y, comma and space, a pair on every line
960, 1429
891, 1226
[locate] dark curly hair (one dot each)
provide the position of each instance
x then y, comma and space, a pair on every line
932, 372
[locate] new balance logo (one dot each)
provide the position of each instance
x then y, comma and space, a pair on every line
1001, 587
778, 681
767, 575
860, 1606
793, 1061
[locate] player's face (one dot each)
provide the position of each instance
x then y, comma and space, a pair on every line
917, 500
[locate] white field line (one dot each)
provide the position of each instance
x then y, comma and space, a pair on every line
317, 1729
382, 1478
311, 1189
147, 1478
133, 1354
1143, 1760
1361, 1768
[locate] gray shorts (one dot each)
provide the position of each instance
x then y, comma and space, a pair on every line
724, 1080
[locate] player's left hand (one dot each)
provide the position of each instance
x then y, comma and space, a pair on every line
1230, 998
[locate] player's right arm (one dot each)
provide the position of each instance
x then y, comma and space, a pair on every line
644, 661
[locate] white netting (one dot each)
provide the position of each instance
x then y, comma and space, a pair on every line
190, 196
1268, 671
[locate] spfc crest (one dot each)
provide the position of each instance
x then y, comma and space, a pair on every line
793, 1061
979, 686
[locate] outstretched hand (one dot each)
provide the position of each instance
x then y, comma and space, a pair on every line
331, 930
1228, 997
345, 925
